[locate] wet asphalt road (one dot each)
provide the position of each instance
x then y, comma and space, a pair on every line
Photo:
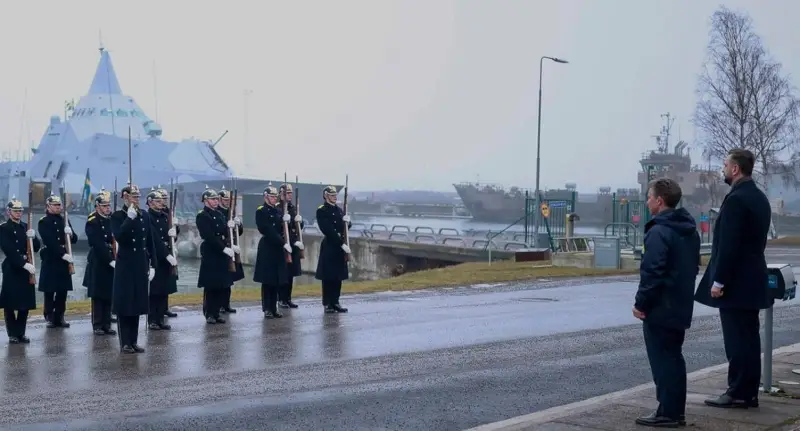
435, 360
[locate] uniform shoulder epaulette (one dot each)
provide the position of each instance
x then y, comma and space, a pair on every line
259, 207
200, 212
320, 207
91, 217
41, 218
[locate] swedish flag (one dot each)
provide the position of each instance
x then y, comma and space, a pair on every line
86, 196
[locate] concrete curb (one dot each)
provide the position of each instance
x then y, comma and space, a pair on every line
555, 413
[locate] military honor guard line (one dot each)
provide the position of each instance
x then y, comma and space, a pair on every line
132, 261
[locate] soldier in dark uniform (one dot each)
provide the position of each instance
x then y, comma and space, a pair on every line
99, 276
18, 295
215, 256
165, 282
224, 208
166, 210
332, 265
295, 267
134, 270
54, 278
271, 270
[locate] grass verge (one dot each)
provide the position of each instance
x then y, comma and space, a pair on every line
457, 275
785, 241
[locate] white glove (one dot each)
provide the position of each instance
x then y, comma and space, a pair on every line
67, 257
236, 249
151, 273
231, 224
68, 230
288, 248
299, 245
172, 261
131, 213
113, 264
287, 218
346, 218
30, 233
172, 232
228, 251
298, 218
30, 268
237, 220
346, 248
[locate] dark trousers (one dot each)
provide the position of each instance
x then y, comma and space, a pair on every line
285, 293
740, 330
226, 300
665, 353
157, 308
16, 322
212, 302
55, 304
269, 297
101, 313
128, 330
331, 289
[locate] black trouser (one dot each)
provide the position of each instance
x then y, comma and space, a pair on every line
665, 353
157, 309
128, 330
269, 297
16, 321
331, 289
226, 299
55, 304
212, 302
740, 330
285, 293
101, 313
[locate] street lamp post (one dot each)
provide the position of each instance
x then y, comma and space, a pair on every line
537, 210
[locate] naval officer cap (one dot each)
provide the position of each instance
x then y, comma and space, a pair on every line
14, 205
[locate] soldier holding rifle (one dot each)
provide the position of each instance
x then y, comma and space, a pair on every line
271, 262
169, 209
55, 278
225, 209
134, 270
216, 256
18, 294
99, 276
294, 267
333, 252
165, 282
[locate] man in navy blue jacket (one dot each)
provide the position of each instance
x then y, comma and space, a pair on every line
665, 299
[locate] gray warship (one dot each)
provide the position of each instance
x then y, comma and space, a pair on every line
89, 149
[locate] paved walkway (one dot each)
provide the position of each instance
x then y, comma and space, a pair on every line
617, 411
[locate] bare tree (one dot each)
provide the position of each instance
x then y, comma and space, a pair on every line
745, 101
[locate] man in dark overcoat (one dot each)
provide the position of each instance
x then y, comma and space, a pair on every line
332, 263
165, 282
736, 278
271, 269
295, 266
55, 279
216, 256
134, 269
18, 294
99, 276
225, 208
166, 209
665, 298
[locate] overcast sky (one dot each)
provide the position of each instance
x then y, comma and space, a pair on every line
399, 94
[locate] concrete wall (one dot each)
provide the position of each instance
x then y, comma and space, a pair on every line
372, 259
586, 260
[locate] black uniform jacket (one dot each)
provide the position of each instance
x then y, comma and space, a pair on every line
17, 292
669, 268
54, 275
737, 251
135, 257
213, 229
239, 274
271, 268
164, 282
331, 264
99, 275
295, 268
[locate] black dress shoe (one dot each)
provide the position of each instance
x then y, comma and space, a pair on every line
229, 310
272, 314
109, 331
291, 304
153, 326
25, 340
170, 314
211, 320
726, 401
13, 340
329, 309
220, 320
99, 331
283, 304
63, 324
339, 309
137, 348
656, 421
127, 349
165, 326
